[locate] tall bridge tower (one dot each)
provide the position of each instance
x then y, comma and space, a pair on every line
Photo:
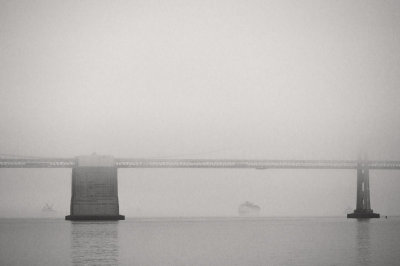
363, 208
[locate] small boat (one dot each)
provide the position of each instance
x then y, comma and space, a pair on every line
48, 208
249, 209
48, 211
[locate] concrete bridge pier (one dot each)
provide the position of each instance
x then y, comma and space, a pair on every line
363, 209
94, 194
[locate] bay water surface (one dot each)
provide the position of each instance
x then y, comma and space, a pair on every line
201, 241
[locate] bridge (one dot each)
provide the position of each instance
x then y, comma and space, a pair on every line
95, 189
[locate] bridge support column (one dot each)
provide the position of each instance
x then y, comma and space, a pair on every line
94, 194
363, 209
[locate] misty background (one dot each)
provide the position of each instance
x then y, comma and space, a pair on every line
209, 79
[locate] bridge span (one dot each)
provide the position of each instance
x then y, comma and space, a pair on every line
94, 194
203, 163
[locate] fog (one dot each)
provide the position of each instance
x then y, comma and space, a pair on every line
208, 79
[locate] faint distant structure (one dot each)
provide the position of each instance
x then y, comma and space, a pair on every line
48, 210
249, 209
348, 210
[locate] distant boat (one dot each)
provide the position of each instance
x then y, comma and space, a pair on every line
48, 211
348, 210
249, 209
48, 208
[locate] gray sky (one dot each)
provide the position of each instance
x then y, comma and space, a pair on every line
216, 79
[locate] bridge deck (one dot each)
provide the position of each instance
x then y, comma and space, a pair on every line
203, 163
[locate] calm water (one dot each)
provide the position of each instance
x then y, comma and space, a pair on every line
274, 241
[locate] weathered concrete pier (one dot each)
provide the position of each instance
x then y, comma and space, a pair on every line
94, 194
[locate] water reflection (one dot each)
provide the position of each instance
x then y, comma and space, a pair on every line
363, 242
94, 243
